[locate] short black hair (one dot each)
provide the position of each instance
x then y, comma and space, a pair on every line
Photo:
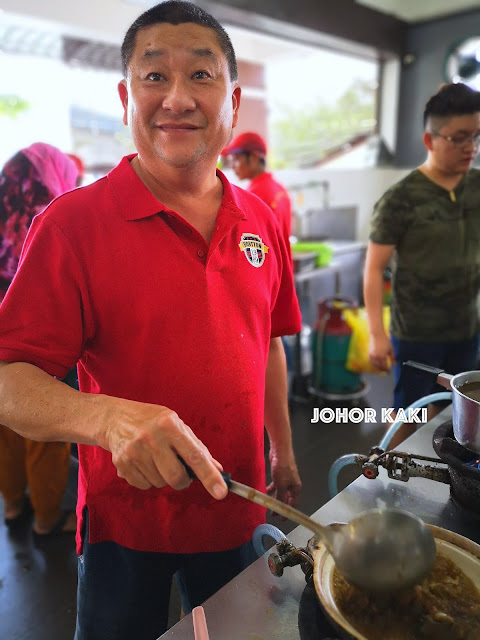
178, 12
454, 99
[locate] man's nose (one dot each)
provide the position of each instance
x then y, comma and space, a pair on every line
470, 142
178, 97
475, 144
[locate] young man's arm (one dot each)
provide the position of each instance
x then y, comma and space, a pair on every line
145, 439
380, 347
286, 484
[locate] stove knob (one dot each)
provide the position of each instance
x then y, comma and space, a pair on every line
370, 470
275, 564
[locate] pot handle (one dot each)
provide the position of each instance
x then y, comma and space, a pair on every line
439, 375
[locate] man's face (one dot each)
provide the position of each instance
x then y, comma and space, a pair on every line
452, 147
178, 98
241, 164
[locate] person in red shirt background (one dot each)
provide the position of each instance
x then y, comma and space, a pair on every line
248, 160
248, 152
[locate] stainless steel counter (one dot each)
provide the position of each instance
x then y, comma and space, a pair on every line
258, 606
340, 247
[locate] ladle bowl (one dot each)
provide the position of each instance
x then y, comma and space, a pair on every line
383, 550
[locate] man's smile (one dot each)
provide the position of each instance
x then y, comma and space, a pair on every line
167, 126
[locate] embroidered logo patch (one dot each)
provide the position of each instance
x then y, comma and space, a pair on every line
253, 248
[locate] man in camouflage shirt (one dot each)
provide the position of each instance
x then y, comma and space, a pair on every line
428, 227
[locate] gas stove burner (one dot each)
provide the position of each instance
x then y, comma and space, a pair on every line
475, 463
464, 478
313, 623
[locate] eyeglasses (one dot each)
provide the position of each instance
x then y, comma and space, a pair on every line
460, 141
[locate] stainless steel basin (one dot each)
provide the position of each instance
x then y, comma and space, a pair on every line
336, 223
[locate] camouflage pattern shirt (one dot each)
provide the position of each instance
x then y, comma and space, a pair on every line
436, 261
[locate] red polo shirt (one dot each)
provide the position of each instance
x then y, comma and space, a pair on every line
275, 195
111, 278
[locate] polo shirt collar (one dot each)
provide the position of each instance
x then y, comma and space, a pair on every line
231, 200
135, 201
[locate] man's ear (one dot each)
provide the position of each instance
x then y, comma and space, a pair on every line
236, 96
428, 140
123, 93
256, 160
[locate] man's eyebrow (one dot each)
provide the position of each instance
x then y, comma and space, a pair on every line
152, 53
204, 53
198, 53
464, 131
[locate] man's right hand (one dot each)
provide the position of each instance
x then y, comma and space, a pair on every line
381, 352
146, 441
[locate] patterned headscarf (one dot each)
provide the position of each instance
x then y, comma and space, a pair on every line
28, 182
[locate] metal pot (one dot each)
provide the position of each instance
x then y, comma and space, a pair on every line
466, 411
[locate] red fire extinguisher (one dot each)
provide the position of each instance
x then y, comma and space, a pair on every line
330, 348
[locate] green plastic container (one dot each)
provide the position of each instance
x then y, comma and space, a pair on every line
324, 251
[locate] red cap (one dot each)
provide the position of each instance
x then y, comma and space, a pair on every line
246, 142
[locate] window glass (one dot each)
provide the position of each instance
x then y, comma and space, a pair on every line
322, 107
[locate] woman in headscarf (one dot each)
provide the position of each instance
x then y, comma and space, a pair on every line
29, 181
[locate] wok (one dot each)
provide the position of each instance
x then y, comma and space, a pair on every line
463, 552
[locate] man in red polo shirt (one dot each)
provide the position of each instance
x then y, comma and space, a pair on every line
248, 152
170, 288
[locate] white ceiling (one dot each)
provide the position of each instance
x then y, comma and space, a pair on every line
416, 10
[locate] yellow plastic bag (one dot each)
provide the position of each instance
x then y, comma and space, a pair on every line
357, 357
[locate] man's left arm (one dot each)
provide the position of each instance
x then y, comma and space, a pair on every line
286, 484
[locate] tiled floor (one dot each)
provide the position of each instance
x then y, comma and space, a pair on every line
38, 586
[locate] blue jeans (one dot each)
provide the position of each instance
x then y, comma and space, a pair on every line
452, 357
124, 594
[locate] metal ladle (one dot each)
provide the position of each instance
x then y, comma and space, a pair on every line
379, 550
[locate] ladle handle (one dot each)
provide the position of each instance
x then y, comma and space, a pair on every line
191, 474
249, 493
439, 375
